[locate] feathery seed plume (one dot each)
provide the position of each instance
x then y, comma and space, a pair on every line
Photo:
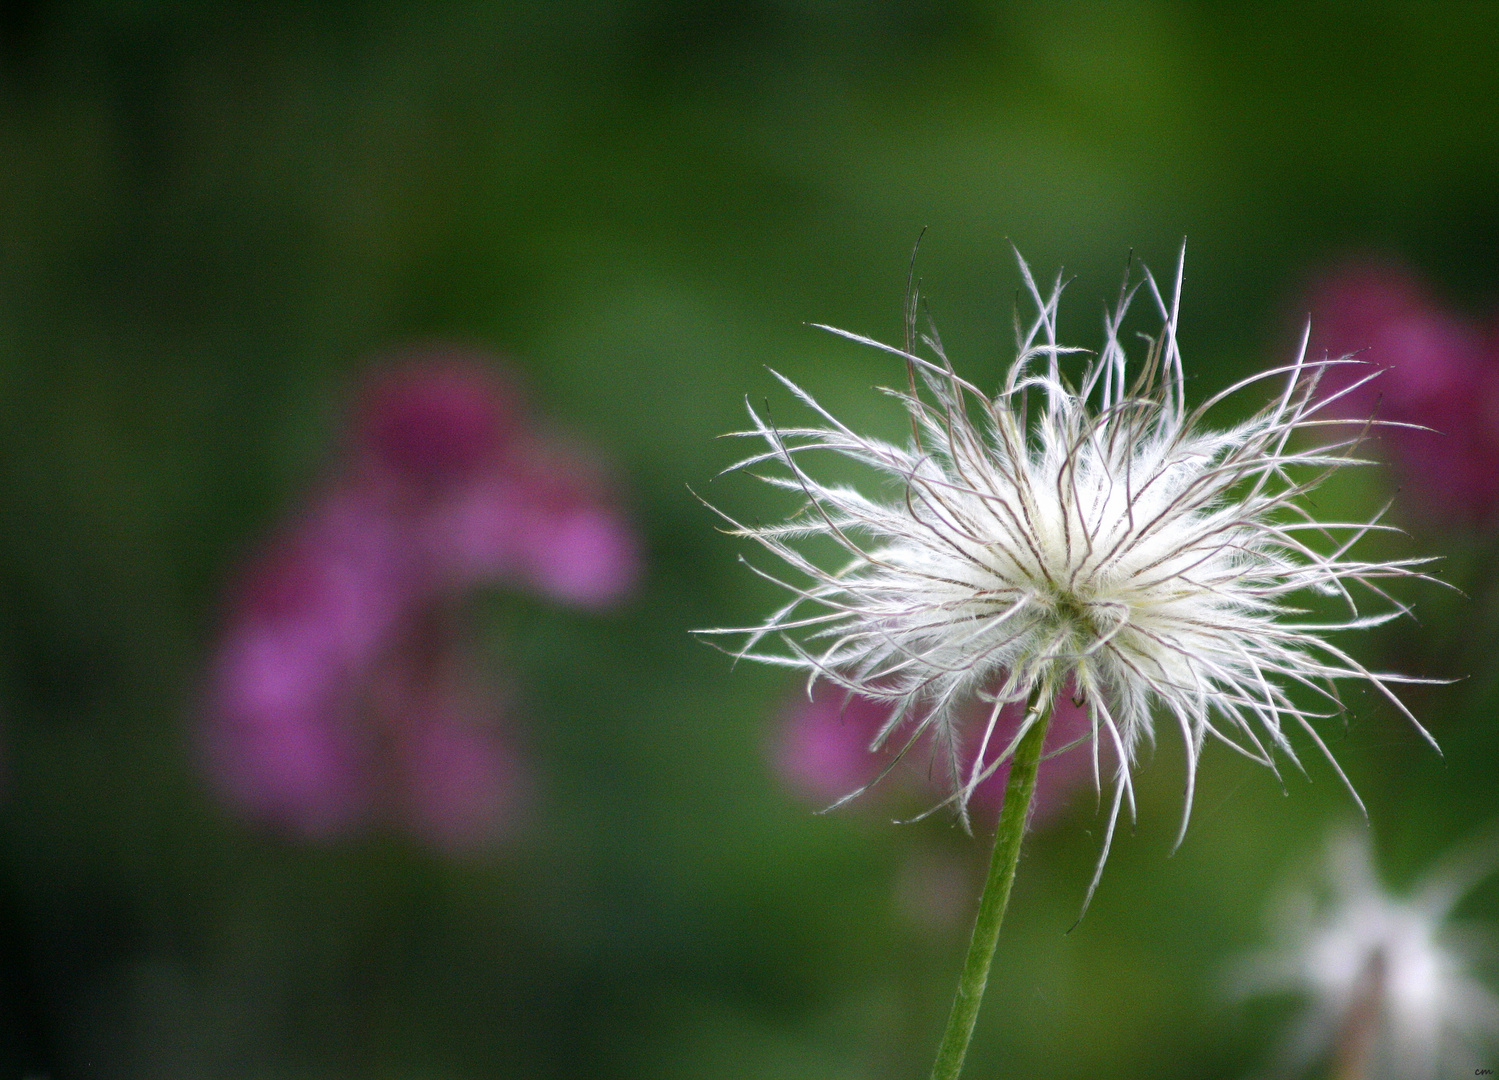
1388, 978
1081, 530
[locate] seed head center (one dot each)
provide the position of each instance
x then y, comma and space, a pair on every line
1074, 609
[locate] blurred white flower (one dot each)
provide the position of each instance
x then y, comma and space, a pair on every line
1387, 980
1082, 533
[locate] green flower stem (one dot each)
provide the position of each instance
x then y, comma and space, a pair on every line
1018, 793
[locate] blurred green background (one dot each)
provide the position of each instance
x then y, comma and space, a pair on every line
211, 215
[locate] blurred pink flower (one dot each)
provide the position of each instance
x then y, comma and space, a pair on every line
463, 782
536, 517
340, 692
483, 498
822, 753
437, 417
1442, 373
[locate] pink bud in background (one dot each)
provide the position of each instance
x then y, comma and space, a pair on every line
1058, 777
464, 784
1441, 373
485, 499
822, 753
340, 693
539, 518
574, 545
436, 417
823, 748
305, 624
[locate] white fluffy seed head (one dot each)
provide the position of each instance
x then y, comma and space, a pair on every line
1085, 534
1386, 977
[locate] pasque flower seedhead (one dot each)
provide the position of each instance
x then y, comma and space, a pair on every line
1082, 530
1388, 978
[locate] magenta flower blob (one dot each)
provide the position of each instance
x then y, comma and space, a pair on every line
538, 518
340, 694
465, 784
823, 749
436, 417
1442, 373
822, 753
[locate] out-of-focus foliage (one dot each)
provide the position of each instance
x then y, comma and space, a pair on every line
213, 216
